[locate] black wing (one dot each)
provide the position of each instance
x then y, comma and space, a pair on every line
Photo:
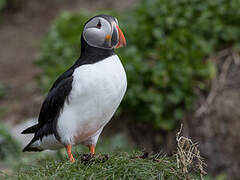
54, 101
46, 104
65, 75
50, 111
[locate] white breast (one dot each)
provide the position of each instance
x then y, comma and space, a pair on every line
97, 91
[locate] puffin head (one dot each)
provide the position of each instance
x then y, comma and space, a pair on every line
102, 31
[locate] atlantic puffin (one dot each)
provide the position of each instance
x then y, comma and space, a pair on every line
84, 98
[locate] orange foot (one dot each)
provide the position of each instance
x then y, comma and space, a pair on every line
92, 149
69, 152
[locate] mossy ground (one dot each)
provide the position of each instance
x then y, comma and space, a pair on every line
115, 165
115, 159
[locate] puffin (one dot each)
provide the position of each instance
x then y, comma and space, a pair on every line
85, 97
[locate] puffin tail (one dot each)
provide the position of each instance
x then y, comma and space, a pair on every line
30, 148
30, 130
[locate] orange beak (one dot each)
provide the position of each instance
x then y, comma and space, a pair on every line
121, 38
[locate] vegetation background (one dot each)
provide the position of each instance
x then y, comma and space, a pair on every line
182, 62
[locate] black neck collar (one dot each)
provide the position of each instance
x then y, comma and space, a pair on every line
90, 55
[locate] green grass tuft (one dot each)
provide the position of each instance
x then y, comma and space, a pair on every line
116, 165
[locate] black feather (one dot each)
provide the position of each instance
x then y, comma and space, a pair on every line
30, 130
28, 148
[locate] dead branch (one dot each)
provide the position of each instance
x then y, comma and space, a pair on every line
188, 156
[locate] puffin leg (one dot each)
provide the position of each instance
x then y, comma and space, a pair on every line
69, 152
92, 149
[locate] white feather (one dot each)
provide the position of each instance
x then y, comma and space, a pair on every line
97, 90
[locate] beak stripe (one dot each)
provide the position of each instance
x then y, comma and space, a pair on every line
121, 39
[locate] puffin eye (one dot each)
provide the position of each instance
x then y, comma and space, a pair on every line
99, 25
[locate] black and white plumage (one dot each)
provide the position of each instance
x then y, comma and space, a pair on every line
85, 97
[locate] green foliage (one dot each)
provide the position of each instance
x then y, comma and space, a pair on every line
167, 44
218, 177
3, 4
164, 59
61, 46
118, 165
9, 148
2, 90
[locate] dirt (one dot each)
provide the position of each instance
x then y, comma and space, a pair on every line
21, 31
88, 158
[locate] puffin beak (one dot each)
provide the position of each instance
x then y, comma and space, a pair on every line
121, 38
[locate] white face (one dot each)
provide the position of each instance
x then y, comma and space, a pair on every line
99, 32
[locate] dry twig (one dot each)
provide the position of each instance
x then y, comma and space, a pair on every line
188, 156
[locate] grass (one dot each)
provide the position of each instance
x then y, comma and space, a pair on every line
120, 162
115, 165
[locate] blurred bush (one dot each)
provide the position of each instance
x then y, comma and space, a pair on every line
9, 148
3, 4
10, 4
168, 42
2, 90
61, 46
